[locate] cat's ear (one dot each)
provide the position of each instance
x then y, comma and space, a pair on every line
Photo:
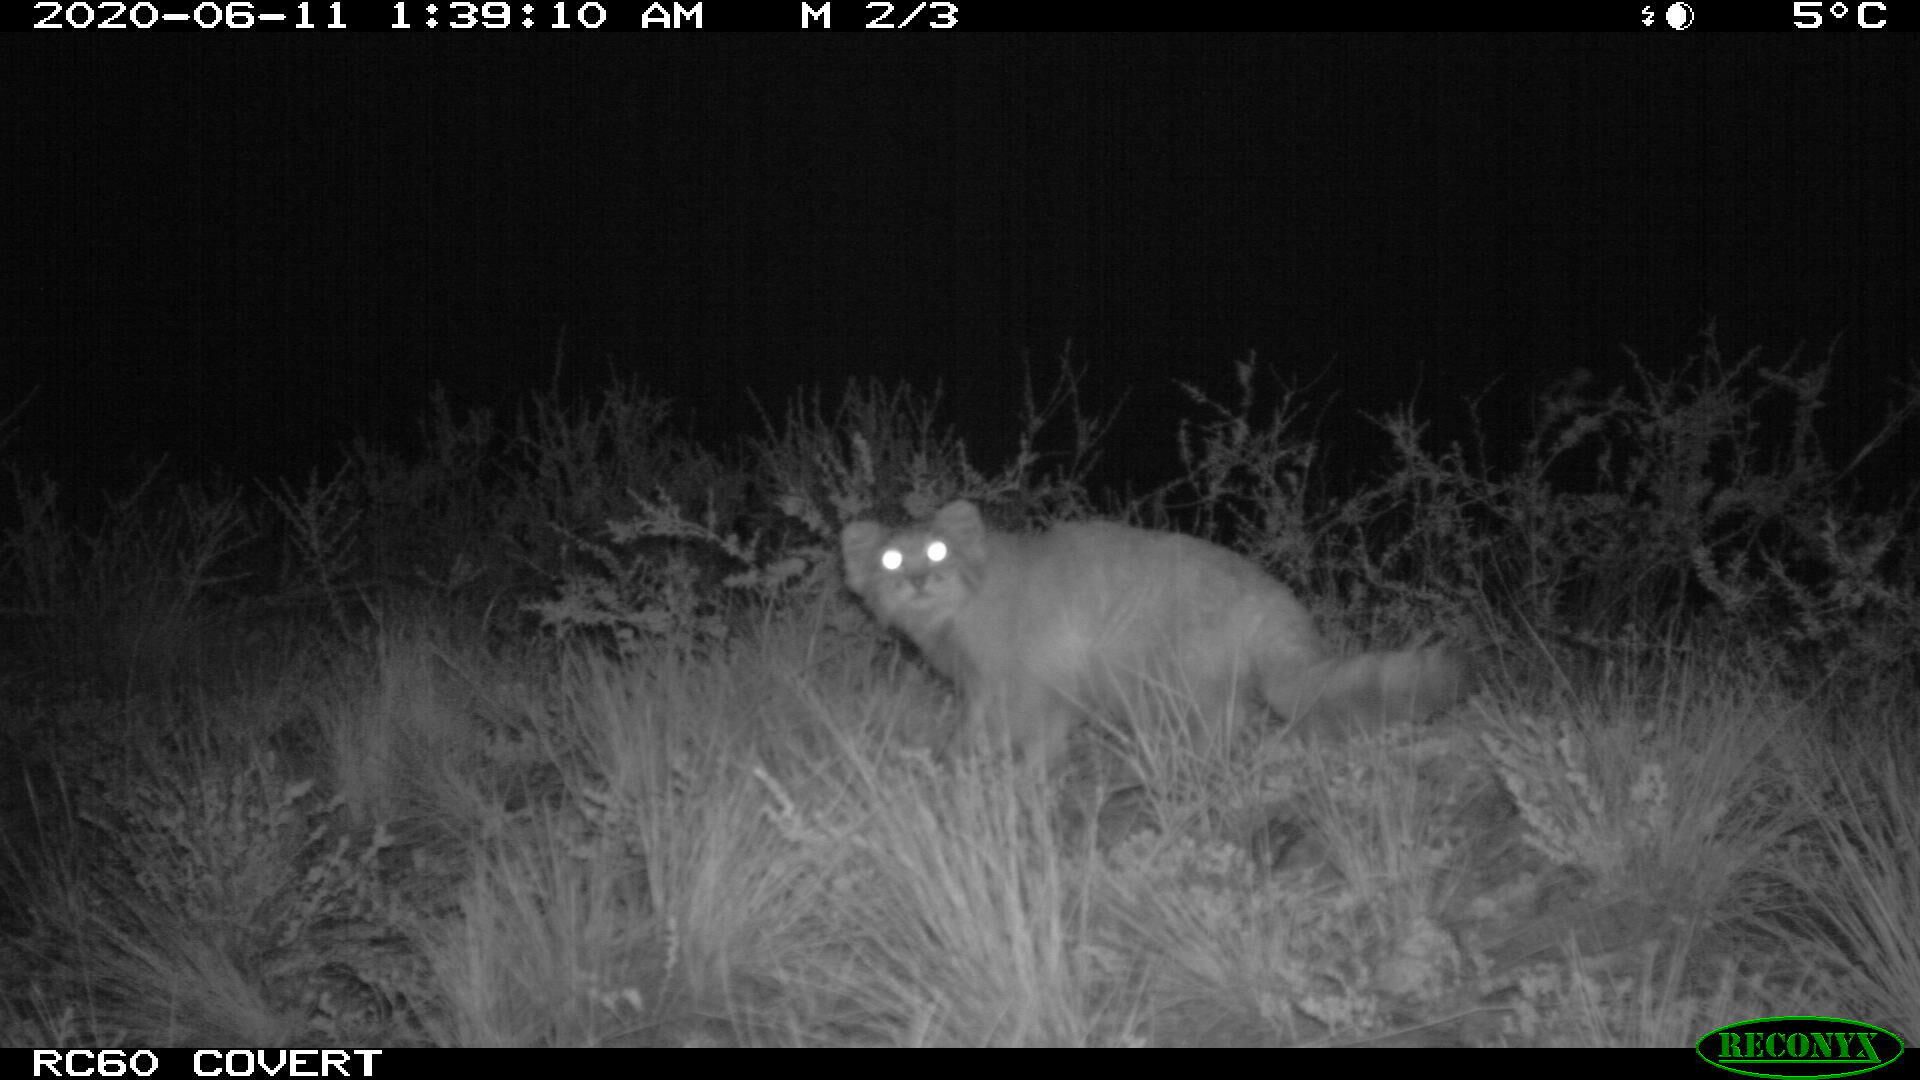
959, 522
857, 543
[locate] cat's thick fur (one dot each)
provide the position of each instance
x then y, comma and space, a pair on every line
1093, 619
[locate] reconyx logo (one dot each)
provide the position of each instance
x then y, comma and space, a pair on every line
1799, 1047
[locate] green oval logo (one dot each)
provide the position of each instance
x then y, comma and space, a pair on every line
1799, 1047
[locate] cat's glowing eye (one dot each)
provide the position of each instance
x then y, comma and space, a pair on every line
937, 551
891, 558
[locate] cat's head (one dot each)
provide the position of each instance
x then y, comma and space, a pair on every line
919, 577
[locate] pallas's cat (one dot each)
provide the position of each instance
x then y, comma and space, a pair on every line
1105, 621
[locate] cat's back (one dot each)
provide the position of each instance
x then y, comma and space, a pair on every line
1125, 559
1100, 578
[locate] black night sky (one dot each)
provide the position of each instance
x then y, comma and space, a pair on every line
241, 251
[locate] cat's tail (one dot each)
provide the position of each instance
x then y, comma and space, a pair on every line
1342, 695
